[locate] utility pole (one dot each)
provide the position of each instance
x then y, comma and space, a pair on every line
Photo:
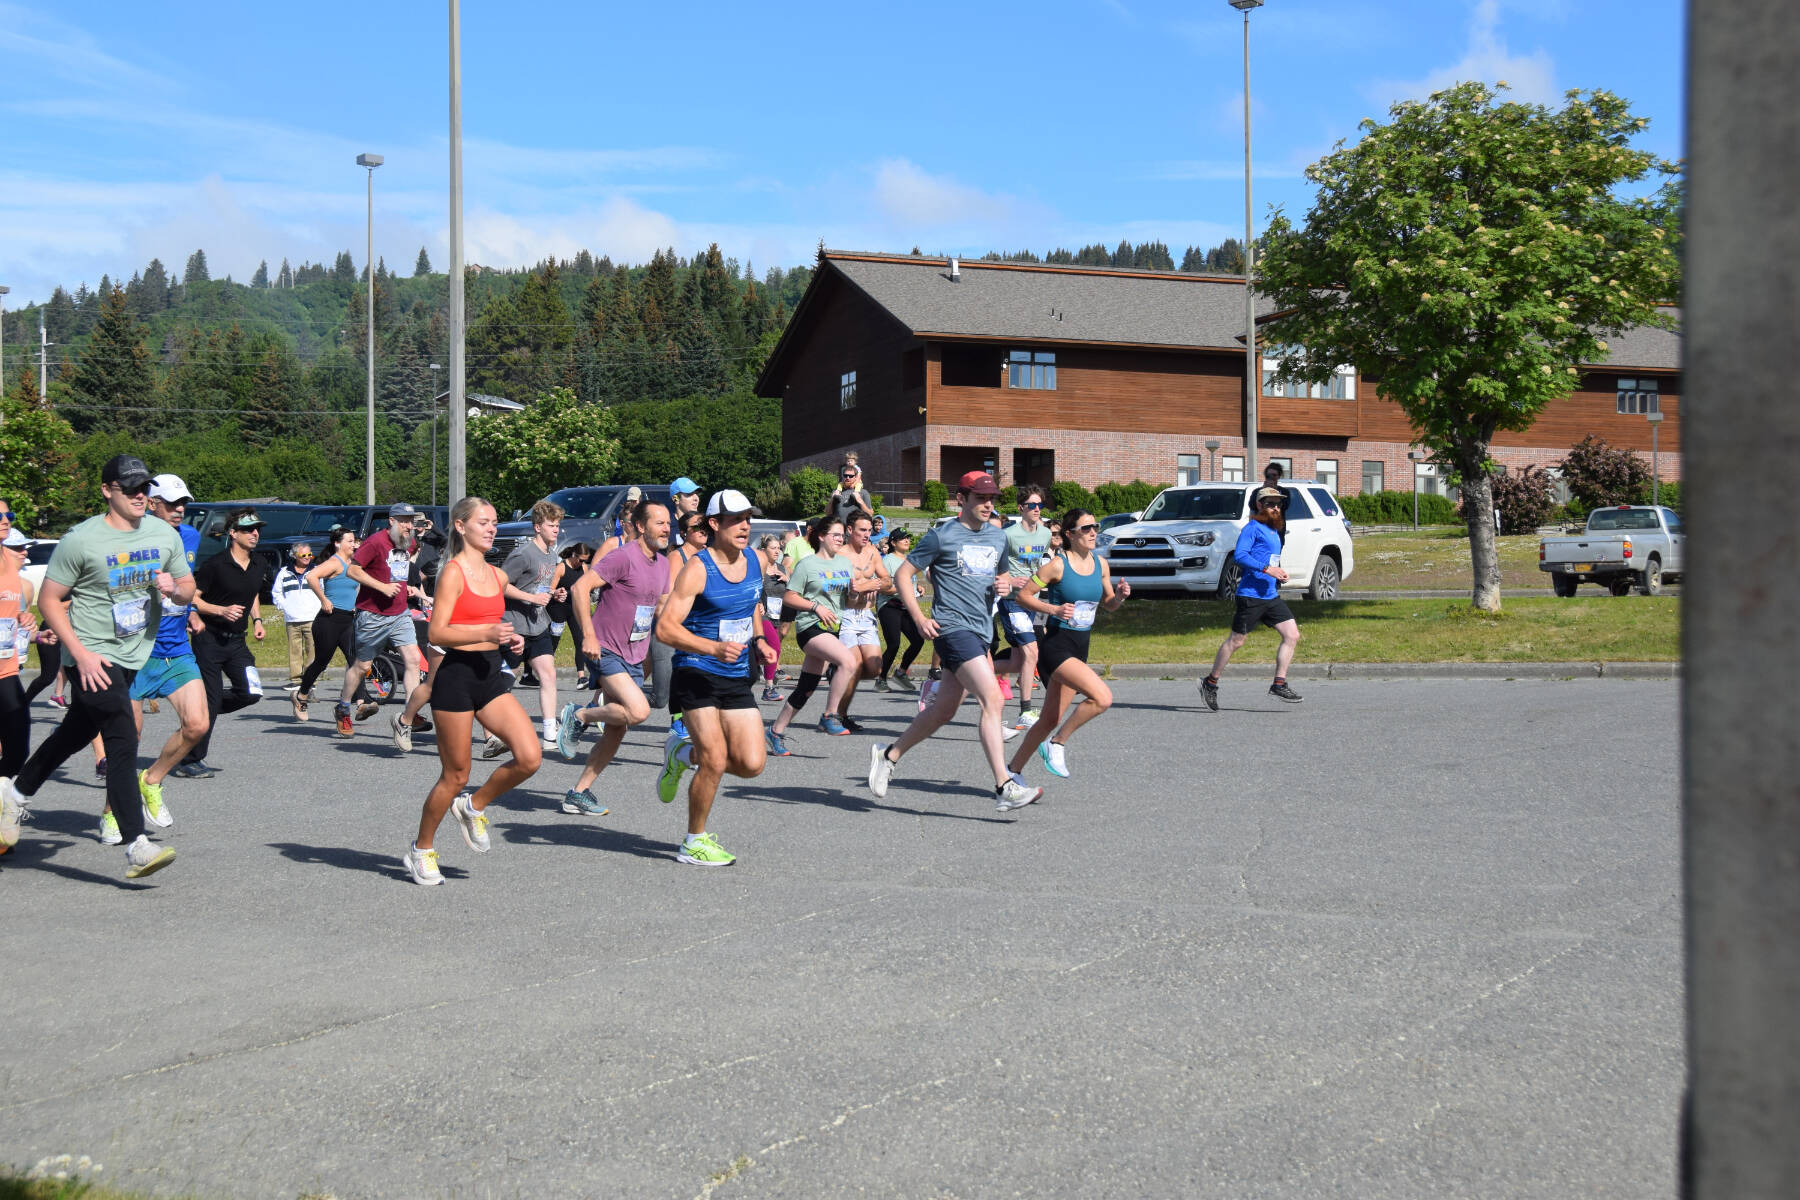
458, 465
1252, 376
43, 357
3, 291
371, 161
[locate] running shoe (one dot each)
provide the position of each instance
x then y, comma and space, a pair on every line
582, 802
771, 695
1027, 719
494, 747
1005, 688
100, 766
59, 702
422, 866
12, 811
402, 734
903, 682
882, 684
678, 728
881, 769
192, 770
702, 851
830, 723
568, 731
778, 747
474, 824
366, 709
150, 707
926, 693
346, 726
1014, 794
551, 730
144, 857
852, 726
1281, 691
1009, 732
1209, 693
109, 829
421, 722
1055, 759
669, 782
300, 700
155, 811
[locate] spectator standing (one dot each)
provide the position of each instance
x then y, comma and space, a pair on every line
299, 606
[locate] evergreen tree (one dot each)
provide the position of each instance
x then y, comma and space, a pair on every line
156, 288
422, 264
1093, 256
112, 378
1059, 255
261, 278
1121, 257
286, 278
196, 268
344, 269
584, 264
134, 294
1227, 258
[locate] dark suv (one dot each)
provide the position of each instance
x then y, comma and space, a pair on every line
591, 514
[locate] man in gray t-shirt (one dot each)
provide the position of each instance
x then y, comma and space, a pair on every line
964, 559
530, 572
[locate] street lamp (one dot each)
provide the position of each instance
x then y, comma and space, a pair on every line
457, 417
1212, 445
435, 400
1252, 377
1414, 456
371, 161
3, 291
1655, 419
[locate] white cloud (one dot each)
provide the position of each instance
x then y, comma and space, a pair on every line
1486, 59
910, 197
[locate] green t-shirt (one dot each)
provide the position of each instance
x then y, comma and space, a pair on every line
111, 576
823, 581
796, 549
1025, 550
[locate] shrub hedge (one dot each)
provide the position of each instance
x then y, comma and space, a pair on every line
1396, 508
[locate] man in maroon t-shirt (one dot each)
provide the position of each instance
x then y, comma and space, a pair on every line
381, 566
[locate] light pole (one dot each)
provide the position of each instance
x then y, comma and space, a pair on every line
1212, 445
1655, 420
1252, 377
458, 464
370, 161
3, 290
436, 399
1413, 456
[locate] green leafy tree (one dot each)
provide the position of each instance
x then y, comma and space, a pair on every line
1598, 475
516, 459
1469, 255
37, 462
112, 376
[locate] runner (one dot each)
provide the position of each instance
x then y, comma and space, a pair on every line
298, 608
575, 558
1026, 542
711, 619
1068, 589
1259, 600
466, 620
634, 584
869, 582
530, 578
170, 673
684, 496
421, 582
816, 593
17, 627
334, 629
227, 604
103, 594
896, 622
775, 581
963, 557
381, 565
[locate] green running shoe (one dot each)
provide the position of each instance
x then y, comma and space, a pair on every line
703, 851
669, 782
155, 811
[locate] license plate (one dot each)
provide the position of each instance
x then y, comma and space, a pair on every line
1579, 568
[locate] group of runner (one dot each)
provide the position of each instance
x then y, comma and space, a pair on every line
123, 603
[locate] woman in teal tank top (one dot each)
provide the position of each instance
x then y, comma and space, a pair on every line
1069, 588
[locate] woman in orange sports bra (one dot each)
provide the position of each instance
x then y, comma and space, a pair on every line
470, 683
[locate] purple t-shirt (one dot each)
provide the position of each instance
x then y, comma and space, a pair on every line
626, 612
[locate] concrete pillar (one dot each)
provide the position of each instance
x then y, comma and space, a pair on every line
1741, 639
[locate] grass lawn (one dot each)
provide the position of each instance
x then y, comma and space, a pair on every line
1438, 557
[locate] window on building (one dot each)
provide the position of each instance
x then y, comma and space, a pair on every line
1371, 476
1341, 385
1428, 479
847, 390
1187, 470
1231, 468
1031, 369
1639, 396
1325, 471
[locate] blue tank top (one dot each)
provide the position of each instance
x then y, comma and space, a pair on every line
172, 630
1083, 591
724, 611
340, 589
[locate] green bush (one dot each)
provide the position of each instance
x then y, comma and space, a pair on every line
875, 500
776, 499
1009, 498
1126, 497
1670, 493
1396, 508
1066, 494
934, 497
811, 490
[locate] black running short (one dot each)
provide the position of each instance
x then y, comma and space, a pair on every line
1251, 611
1058, 646
468, 681
690, 689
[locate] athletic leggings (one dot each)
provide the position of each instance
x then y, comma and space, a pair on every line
774, 636
896, 622
15, 726
333, 631
49, 664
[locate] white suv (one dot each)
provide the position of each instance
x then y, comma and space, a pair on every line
1185, 539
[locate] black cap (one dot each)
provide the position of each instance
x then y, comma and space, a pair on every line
126, 470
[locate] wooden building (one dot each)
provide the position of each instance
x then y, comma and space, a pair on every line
930, 367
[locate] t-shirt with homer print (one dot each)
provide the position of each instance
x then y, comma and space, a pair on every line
115, 606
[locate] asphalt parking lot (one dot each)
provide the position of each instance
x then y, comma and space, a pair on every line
1408, 939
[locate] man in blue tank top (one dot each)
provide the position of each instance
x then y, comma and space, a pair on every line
712, 621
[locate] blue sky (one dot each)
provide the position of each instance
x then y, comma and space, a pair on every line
134, 130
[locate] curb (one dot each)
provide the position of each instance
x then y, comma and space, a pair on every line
1425, 670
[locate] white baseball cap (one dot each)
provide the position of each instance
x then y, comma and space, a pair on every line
169, 489
16, 541
731, 503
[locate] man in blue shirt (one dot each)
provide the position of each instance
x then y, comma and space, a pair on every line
1259, 600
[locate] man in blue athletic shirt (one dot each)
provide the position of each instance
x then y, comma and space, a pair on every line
1259, 600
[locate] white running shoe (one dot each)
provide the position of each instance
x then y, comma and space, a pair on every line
402, 735
12, 811
1009, 732
144, 857
422, 865
494, 748
474, 824
1054, 758
881, 769
1015, 794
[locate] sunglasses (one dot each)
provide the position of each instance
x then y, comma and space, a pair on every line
1031, 504
1090, 527
142, 489
6, 514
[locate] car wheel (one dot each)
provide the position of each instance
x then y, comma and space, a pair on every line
1651, 581
1564, 585
1324, 580
1228, 577
1620, 585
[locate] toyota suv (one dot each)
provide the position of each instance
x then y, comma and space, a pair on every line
1184, 540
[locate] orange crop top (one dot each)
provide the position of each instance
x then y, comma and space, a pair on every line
472, 608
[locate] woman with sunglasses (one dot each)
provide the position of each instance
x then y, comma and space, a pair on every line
775, 581
1068, 588
816, 593
334, 629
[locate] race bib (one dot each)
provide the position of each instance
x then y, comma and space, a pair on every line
1019, 619
736, 631
1084, 614
556, 629
399, 567
253, 677
772, 606
645, 616
977, 560
9, 638
129, 615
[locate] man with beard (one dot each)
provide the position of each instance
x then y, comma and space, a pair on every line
1259, 599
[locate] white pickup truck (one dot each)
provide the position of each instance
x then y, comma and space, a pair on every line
1631, 544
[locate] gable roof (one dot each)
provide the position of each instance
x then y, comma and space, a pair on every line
1646, 346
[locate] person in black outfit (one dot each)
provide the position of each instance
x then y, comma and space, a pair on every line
227, 601
574, 564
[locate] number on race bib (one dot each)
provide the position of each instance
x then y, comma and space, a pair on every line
736, 631
1084, 614
129, 616
11, 640
1019, 619
772, 605
641, 620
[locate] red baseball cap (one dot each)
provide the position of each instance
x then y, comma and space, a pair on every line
978, 483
